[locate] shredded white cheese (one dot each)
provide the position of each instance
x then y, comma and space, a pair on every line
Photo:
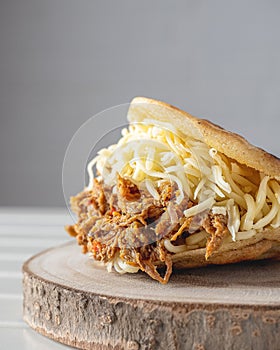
174, 249
199, 208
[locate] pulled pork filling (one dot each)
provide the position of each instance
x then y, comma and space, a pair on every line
126, 222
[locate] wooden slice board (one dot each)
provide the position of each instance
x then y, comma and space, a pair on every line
69, 298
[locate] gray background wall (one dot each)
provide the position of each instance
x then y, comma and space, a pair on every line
62, 61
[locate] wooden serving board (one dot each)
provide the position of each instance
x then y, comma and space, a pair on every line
69, 298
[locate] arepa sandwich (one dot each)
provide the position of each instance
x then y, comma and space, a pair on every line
177, 191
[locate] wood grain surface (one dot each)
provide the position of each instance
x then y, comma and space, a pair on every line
69, 298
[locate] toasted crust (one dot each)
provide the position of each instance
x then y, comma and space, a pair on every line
232, 145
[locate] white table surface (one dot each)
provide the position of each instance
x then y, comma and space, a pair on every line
23, 233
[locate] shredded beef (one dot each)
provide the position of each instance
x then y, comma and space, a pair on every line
148, 266
169, 221
216, 226
128, 190
80, 203
121, 219
98, 199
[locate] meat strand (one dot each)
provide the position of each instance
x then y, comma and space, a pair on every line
216, 226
